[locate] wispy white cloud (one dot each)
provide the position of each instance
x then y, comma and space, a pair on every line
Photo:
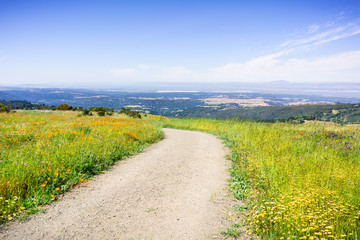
340, 67
347, 34
318, 34
313, 28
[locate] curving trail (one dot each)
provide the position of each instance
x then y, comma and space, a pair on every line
174, 190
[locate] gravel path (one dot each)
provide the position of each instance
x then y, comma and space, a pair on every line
174, 190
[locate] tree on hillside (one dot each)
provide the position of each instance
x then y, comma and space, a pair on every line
4, 108
86, 112
101, 113
63, 107
130, 113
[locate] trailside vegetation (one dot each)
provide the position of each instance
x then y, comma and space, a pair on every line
44, 154
300, 181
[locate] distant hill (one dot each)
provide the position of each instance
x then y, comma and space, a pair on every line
340, 112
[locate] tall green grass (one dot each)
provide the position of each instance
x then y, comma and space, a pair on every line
301, 181
45, 153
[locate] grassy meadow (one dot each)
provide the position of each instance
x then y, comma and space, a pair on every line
299, 181
44, 154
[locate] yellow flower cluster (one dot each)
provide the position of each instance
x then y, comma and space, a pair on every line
312, 214
9, 208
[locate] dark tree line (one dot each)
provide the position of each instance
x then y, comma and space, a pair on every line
20, 104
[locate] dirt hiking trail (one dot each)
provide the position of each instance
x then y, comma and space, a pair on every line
174, 190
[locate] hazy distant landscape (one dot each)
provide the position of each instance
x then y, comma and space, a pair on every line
273, 102
169, 99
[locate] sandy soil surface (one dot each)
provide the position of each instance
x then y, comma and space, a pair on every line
176, 189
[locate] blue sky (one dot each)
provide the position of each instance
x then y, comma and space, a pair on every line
108, 43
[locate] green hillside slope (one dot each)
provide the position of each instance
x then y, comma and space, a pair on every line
339, 112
